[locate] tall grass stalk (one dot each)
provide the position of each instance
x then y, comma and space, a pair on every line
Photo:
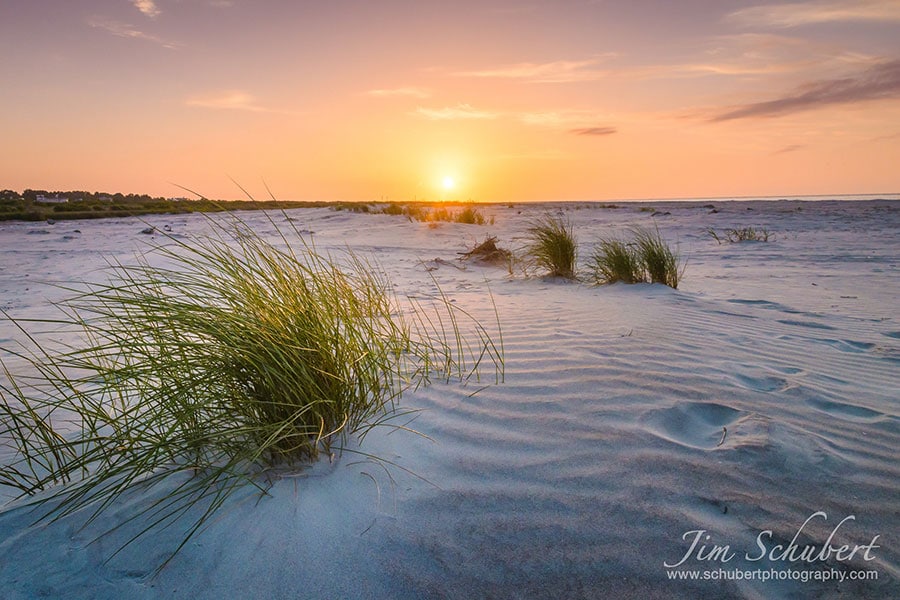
552, 246
218, 357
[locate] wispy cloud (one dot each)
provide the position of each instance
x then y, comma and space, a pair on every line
125, 30
789, 149
228, 100
888, 137
458, 112
878, 82
809, 13
569, 120
561, 71
409, 92
548, 118
551, 155
594, 131
148, 7
765, 54
561, 118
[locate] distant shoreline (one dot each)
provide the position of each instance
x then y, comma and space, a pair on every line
35, 212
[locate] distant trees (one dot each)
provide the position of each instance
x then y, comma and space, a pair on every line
75, 195
94, 205
81, 204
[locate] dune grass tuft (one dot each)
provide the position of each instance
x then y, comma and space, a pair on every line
660, 263
218, 357
552, 246
470, 216
614, 261
437, 213
647, 258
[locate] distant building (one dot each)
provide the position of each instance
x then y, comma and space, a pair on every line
179, 199
57, 199
106, 199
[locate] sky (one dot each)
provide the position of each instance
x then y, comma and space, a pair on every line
487, 100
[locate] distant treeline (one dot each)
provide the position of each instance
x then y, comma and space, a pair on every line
97, 205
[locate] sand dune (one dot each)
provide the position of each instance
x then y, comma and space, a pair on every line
761, 391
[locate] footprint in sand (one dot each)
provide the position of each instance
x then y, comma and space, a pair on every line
790, 370
849, 412
763, 303
766, 304
733, 314
851, 346
846, 345
695, 424
764, 383
809, 324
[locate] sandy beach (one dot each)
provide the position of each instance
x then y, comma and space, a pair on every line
639, 430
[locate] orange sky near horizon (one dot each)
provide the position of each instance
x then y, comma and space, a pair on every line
516, 101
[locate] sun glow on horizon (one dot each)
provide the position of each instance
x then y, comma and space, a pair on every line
448, 183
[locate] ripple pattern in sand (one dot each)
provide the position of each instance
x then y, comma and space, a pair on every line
660, 420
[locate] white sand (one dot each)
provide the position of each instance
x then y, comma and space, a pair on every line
578, 477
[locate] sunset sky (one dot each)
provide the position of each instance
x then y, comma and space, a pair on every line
512, 101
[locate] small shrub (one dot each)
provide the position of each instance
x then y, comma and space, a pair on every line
488, 252
552, 246
745, 234
614, 261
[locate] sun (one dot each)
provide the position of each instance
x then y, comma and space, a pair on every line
448, 183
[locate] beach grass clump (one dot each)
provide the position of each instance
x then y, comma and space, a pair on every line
394, 209
470, 216
356, 207
437, 214
616, 261
219, 358
744, 234
647, 258
552, 246
661, 264
416, 212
